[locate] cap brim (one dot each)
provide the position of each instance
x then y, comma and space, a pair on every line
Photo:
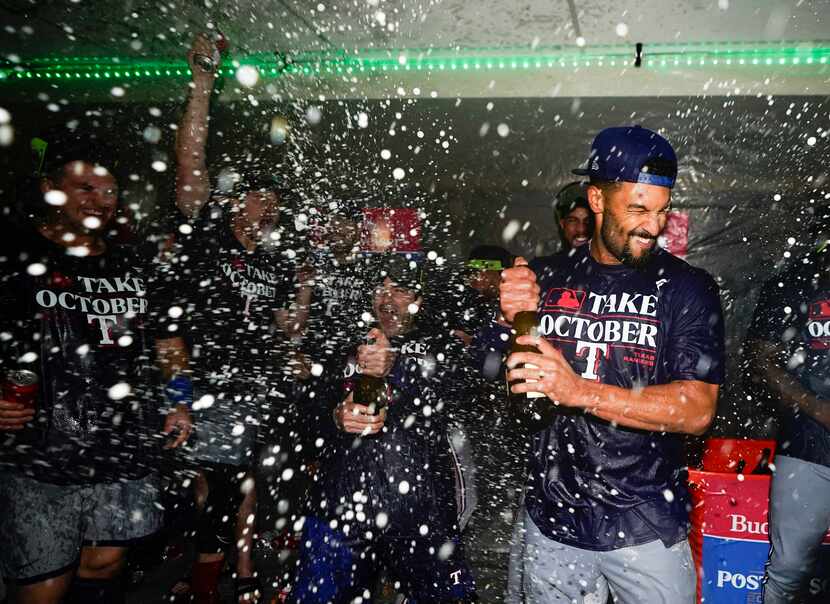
580, 171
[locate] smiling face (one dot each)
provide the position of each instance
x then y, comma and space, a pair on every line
393, 307
576, 227
83, 198
629, 218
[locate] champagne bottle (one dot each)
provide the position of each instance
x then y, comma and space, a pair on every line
370, 390
532, 411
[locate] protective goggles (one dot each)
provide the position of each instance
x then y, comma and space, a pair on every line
485, 265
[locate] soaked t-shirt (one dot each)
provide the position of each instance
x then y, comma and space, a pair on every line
405, 471
81, 323
793, 312
592, 484
222, 300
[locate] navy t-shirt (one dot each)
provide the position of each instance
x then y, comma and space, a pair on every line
83, 324
601, 486
222, 299
793, 312
428, 383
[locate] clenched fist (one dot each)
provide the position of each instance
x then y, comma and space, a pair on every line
376, 359
518, 290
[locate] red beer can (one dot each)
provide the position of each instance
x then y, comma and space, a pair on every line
209, 64
21, 386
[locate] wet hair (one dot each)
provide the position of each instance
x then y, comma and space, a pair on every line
571, 196
52, 150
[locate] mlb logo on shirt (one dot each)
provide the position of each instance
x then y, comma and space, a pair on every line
565, 299
820, 309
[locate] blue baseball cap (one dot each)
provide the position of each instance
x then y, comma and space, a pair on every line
631, 154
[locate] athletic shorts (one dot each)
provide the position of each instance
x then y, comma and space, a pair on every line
43, 526
336, 569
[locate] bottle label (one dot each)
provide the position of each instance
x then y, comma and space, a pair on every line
530, 381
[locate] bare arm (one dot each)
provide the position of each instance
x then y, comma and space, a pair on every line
768, 369
686, 407
192, 182
173, 360
293, 321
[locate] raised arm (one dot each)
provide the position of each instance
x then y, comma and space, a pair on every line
192, 182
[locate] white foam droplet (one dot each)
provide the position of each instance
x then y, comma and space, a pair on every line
403, 487
622, 30
36, 269
313, 115
811, 141
398, 173
503, 130
316, 369
363, 120
381, 520
175, 312
446, 550
185, 229
385, 154
238, 430
117, 91
205, 402
159, 166
5, 116
510, 230
287, 474
125, 341
55, 197
92, 222
119, 391
6, 135
247, 75
152, 134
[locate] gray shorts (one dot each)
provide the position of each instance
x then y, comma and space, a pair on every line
43, 526
549, 572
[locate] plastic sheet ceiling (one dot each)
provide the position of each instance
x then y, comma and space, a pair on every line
485, 39
159, 28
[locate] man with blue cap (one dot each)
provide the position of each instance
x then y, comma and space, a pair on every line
631, 356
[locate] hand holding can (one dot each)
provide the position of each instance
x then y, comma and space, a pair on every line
206, 52
18, 399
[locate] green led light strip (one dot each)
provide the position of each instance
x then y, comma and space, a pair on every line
323, 64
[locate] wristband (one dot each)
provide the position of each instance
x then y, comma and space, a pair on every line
179, 391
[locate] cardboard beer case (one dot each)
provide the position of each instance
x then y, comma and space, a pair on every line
730, 533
